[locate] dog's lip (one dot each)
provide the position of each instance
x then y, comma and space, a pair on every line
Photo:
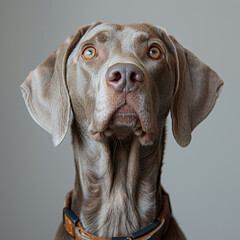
125, 114
125, 109
129, 114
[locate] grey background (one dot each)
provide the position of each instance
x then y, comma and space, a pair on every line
202, 179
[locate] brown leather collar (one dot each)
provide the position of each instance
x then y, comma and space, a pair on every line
155, 231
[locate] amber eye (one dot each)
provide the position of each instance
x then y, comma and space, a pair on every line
154, 53
89, 53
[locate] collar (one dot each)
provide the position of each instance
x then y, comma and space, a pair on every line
156, 230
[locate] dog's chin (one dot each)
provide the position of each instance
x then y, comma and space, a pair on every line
123, 123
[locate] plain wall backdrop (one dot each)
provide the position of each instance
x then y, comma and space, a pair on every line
203, 180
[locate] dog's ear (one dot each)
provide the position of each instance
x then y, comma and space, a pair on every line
45, 91
197, 89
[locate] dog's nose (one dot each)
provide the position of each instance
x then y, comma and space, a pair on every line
124, 76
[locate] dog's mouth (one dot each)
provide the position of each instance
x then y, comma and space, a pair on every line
123, 122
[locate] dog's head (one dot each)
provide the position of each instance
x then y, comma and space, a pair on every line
120, 80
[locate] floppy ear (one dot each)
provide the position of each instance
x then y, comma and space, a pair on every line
45, 91
198, 88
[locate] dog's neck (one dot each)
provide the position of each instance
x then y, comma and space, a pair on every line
117, 184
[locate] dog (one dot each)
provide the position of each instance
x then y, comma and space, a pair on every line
116, 85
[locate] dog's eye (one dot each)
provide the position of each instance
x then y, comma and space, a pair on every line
154, 53
89, 53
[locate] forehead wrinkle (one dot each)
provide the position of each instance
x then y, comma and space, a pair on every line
129, 39
145, 28
98, 29
142, 38
101, 37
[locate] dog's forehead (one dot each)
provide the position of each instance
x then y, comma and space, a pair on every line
123, 33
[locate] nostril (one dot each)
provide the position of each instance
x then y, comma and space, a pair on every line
136, 77
133, 76
115, 76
